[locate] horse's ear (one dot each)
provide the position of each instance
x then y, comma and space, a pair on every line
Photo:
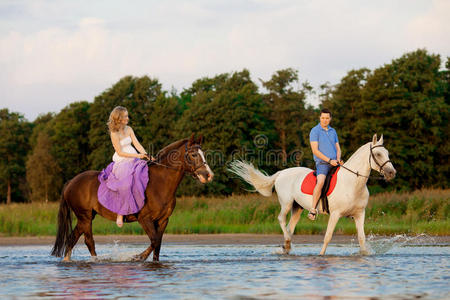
374, 139
381, 140
200, 139
191, 139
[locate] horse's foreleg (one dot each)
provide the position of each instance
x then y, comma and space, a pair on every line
282, 220
332, 221
359, 222
296, 212
161, 228
149, 228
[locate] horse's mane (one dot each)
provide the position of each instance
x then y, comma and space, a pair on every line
166, 150
357, 151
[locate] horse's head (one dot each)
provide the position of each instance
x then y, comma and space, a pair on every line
379, 159
195, 161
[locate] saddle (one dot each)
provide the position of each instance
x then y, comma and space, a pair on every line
309, 183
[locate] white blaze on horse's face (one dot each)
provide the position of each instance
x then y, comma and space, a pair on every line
210, 173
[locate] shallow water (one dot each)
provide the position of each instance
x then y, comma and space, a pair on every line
398, 268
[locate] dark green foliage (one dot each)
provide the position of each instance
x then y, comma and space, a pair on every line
15, 131
405, 101
44, 176
229, 112
286, 105
68, 132
345, 102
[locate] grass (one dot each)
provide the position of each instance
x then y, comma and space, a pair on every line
425, 211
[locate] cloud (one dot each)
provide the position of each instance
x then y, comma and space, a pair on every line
432, 29
53, 60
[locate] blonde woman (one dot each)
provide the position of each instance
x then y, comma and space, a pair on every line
123, 182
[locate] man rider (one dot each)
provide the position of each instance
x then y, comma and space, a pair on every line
326, 151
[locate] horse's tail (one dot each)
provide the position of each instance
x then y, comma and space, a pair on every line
64, 227
260, 181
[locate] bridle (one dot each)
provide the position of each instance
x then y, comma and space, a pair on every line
192, 167
187, 159
376, 161
370, 164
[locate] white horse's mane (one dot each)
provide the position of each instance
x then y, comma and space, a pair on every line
357, 152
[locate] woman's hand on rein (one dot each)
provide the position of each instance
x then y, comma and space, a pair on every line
142, 156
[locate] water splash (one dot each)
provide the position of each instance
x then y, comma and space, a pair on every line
117, 254
382, 245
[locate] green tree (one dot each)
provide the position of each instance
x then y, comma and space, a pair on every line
229, 112
160, 123
43, 173
286, 104
14, 133
344, 101
68, 135
40, 125
404, 100
309, 120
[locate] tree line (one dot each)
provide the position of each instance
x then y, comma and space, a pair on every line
407, 100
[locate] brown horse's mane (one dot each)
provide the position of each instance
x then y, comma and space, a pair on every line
166, 150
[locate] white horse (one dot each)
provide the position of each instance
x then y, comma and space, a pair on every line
349, 197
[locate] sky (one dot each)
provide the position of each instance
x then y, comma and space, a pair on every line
53, 53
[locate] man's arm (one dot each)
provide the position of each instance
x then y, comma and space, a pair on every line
316, 152
338, 154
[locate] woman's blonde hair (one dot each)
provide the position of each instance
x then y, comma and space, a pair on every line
115, 117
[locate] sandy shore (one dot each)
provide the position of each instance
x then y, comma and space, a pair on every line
205, 239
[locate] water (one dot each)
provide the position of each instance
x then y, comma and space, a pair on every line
398, 268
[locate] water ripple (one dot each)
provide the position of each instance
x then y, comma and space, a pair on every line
398, 268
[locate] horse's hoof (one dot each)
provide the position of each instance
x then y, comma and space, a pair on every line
285, 250
136, 258
364, 252
287, 246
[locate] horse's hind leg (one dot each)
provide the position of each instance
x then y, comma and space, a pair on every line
285, 207
88, 237
73, 239
296, 211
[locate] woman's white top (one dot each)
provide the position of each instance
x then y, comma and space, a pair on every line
125, 145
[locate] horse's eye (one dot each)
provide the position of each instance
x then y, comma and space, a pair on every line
378, 154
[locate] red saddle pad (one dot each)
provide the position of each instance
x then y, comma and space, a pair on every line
310, 180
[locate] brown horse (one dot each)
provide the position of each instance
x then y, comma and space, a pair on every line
165, 174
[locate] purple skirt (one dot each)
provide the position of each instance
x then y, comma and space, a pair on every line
122, 186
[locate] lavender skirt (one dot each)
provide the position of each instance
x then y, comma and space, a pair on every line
122, 186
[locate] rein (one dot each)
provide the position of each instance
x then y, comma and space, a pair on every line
375, 160
186, 158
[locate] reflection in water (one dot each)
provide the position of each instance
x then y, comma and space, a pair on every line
92, 279
236, 271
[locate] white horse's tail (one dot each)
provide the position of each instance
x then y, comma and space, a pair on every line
260, 181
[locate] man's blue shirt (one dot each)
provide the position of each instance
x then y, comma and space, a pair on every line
327, 141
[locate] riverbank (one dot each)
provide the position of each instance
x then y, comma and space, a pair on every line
210, 239
419, 212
